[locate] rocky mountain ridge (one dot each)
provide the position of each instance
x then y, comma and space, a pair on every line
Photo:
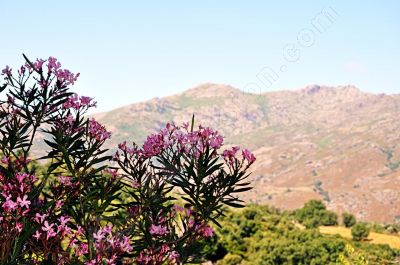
337, 144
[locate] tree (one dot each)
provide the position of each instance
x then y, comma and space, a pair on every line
359, 231
348, 219
314, 214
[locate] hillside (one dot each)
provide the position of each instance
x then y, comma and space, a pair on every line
338, 144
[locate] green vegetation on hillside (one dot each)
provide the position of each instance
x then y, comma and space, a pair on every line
261, 235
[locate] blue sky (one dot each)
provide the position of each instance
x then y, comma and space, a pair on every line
128, 51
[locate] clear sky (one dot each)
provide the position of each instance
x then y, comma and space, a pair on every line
128, 51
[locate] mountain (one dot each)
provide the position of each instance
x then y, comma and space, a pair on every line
337, 144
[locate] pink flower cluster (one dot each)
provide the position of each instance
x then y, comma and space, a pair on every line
197, 142
231, 155
98, 131
189, 143
195, 227
38, 64
77, 102
158, 230
52, 234
50, 230
157, 256
65, 180
64, 76
154, 145
109, 247
19, 162
16, 205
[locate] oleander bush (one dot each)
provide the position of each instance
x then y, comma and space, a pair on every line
149, 204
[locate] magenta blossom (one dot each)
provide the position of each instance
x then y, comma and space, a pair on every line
98, 131
247, 155
6, 71
158, 230
24, 202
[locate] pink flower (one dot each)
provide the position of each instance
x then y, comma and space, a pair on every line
230, 155
108, 229
59, 204
38, 64
178, 208
143, 258
24, 202
5, 160
72, 102
99, 235
216, 142
6, 71
20, 177
86, 101
40, 218
112, 172
247, 155
79, 230
37, 235
122, 146
9, 205
19, 227
207, 231
65, 76
64, 220
174, 256
125, 245
82, 249
53, 65
22, 70
65, 180
70, 119
50, 234
47, 227
158, 230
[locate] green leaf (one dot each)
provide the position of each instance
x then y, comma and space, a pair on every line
3, 87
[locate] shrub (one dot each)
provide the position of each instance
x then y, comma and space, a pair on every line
314, 214
359, 231
348, 219
89, 207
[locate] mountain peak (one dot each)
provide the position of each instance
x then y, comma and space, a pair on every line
210, 90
